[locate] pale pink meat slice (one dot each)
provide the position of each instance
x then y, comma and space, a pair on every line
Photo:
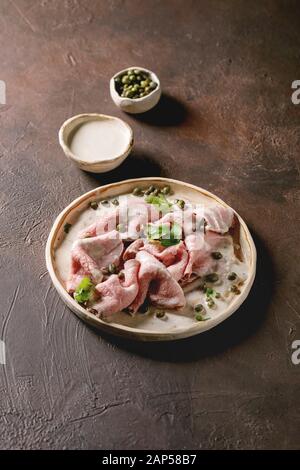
218, 218
117, 294
135, 214
184, 218
105, 224
89, 255
177, 269
155, 280
174, 257
199, 247
132, 214
132, 250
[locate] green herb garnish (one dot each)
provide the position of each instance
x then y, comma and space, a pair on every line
160, 201
84, 291
164, 234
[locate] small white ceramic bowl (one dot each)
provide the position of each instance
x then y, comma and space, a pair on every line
69, 127
137, 105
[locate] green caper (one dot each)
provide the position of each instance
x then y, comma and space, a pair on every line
232, 276
199, 308
209, 292
121, 228
217, 295
94, 205
134, 84
216, 255
199, 317
112, 268
115, 202
166, 190
235, 289
210, 303
180, 203
159, 314
67, 227
121, 275
150, 190
212, 277
137, 191
203, 286
105, 202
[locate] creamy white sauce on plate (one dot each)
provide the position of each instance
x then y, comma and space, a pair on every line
172, 320
99, 140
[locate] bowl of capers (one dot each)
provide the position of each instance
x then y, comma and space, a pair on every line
135, 89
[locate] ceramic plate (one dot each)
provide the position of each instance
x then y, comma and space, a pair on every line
145, 327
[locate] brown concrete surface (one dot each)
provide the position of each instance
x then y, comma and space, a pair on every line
226, 123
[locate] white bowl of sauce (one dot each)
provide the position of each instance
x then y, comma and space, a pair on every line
96, 142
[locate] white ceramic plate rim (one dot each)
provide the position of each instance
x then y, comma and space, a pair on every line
139, 333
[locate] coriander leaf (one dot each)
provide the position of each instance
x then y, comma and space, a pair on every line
176, 231
167, 236
153, 231
160, 201
84, 290
170, 242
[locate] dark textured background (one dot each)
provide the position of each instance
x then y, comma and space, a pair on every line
226, 123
